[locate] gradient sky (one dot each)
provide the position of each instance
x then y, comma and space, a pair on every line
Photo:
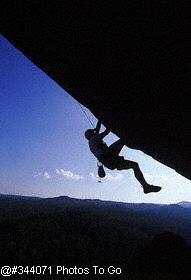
43, 151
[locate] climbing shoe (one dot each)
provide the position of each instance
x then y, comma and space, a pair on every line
151, 188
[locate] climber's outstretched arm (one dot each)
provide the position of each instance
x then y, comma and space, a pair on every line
97, 129
104, 133
98, 126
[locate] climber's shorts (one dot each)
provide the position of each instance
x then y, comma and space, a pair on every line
112, 161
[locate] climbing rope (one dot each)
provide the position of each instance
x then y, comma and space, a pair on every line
85, 114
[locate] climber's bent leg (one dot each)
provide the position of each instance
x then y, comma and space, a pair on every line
127, 164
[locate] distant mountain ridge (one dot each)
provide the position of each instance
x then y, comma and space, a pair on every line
69, 201
185, 204
18, 197
98, 202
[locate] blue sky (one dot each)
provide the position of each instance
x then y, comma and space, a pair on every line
43, 151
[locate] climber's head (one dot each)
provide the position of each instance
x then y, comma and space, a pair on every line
89, 133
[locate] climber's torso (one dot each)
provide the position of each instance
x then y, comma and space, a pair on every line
97, 146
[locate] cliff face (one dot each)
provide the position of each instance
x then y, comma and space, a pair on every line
129, 63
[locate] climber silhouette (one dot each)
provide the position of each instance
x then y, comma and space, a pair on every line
109, 156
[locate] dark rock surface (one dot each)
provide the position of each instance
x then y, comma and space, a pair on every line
128, 62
